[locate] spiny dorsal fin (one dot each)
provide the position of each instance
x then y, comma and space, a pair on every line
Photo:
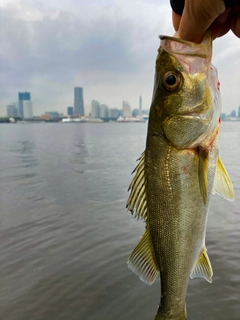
222, 182
137, 201
142, 261
203, 173
202, 268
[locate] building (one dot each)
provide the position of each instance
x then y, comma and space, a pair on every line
238, 112
113, 114
52, 114
233, 114
12, 110
78, 102
126, 109
27, 109
136, 112
22, 96
45, 117
140, 105
70, 111
103, 111
95, 109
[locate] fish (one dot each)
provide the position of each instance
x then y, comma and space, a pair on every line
178, 172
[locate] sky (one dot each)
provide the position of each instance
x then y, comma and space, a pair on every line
108, 47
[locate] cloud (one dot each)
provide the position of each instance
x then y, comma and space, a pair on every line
107, 47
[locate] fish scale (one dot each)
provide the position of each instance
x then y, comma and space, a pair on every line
177, 173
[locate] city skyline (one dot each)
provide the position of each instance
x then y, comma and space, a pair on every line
108, 48
98, 110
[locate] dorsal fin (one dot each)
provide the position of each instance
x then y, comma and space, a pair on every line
202, 268
137, 201
222, 182
203, 173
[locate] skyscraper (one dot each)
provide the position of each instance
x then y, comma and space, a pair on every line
103, 111
95, 109
78, 101
126, 109
27, 109
22, 96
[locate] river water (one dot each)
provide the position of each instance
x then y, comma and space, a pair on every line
65, 234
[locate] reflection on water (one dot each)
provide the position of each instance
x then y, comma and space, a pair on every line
65, 235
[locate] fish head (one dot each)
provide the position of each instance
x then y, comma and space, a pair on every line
186, 104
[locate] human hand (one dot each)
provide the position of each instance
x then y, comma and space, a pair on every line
200, 15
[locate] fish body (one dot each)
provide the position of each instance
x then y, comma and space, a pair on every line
177, 173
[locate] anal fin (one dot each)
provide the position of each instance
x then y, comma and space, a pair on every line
142, 260
202, 268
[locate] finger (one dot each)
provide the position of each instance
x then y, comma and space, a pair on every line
222, 24
176, 18
235, 21
197, 18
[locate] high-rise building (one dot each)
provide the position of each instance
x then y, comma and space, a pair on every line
95, 109
78, 101
238, 112
113, 114
12, 110
70, 111
103, 111
27, 109
126, 109
22, 96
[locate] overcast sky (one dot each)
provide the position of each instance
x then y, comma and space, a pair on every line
108, 47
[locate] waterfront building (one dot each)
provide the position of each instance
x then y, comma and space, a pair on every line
22, 96
27, 109
233, 114
126, 109
113, 114
136, 112
223, 116
70, 111
52, 114
78, 101
12, 110
238, 112
95, 109
140, 105
103, 111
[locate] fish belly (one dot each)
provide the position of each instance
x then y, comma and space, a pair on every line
177, 220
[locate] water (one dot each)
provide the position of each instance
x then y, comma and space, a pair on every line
65, 234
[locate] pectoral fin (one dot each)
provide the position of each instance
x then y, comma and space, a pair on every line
202, 268
142, 260
203, 174
222, 182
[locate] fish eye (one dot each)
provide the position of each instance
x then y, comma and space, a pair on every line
171, 81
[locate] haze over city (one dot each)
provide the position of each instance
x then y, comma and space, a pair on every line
107, 47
